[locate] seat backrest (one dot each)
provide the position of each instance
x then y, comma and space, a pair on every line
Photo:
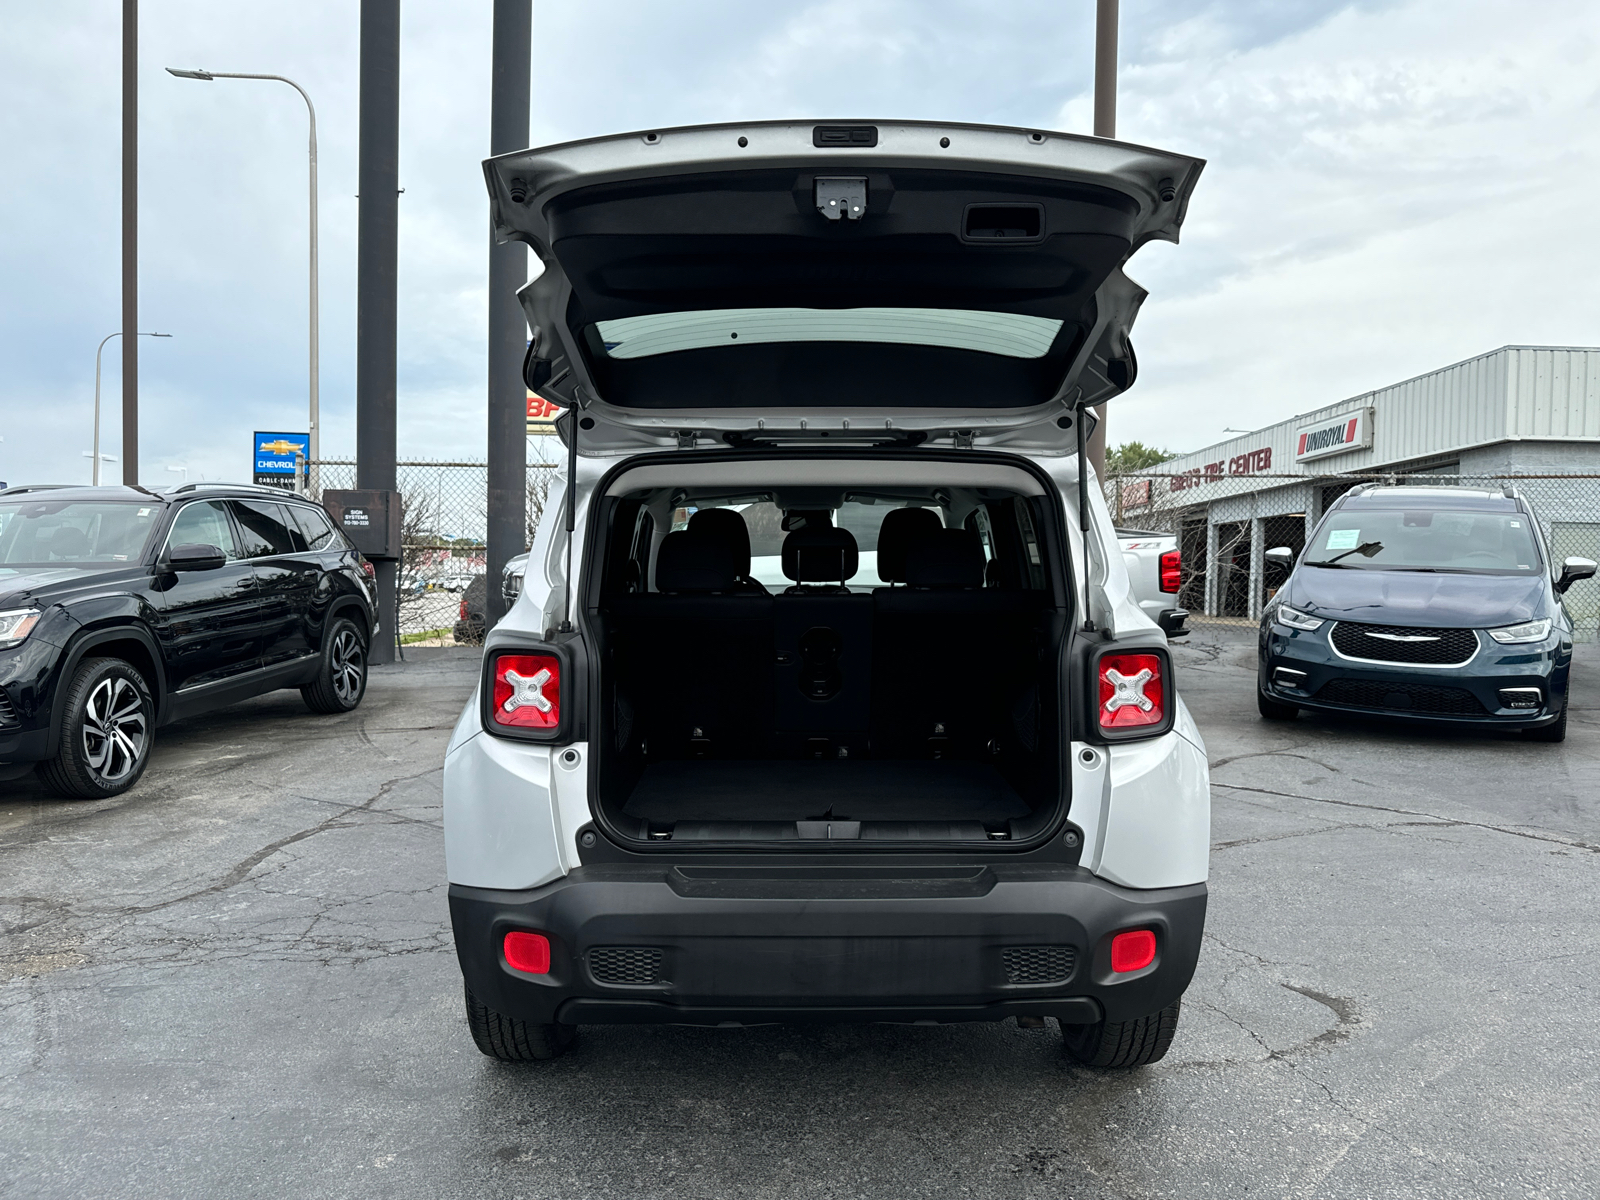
950, 560
727, 526
687, 564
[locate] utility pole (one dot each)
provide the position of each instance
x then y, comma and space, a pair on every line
1105, 126
377, 249
130, 243
508, 328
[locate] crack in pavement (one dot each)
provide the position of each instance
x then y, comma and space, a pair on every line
241, 870
1553, 839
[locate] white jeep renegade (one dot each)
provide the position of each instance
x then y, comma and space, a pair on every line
825, 698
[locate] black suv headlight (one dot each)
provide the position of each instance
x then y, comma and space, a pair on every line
15, 625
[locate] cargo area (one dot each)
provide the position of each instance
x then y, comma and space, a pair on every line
840, 664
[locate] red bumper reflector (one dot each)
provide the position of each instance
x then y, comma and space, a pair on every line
528, 952
1133, 951
1171, 562
1132, 691
527, 691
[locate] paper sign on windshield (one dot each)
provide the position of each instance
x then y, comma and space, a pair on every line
1343, 539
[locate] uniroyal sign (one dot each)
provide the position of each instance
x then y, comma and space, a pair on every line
1336, 435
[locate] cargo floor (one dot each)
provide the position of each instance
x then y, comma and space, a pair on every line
810, 789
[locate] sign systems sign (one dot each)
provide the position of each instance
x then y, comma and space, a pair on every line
1334, 435
274, 455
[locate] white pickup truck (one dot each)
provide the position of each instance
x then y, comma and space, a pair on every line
1155, 569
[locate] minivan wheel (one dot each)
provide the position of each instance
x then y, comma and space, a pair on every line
342, 675
1272, 710
511, 1040
1135, 1043
106, 732
1556, 731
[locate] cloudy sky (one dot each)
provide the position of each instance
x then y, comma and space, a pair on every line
1391, 187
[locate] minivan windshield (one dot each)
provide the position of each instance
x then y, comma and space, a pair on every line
1419, 539
74, 533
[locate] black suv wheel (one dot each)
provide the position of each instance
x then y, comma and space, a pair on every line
342, 676
511, 1040
106, 731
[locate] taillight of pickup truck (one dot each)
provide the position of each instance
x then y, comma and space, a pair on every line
1171, 570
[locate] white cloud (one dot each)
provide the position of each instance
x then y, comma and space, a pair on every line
1391, 186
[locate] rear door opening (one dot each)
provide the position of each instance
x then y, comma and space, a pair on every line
843, 654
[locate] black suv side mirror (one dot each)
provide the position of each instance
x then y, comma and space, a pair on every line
1572, 570
195, 556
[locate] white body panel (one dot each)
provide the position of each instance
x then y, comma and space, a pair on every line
1142, 557
512, 810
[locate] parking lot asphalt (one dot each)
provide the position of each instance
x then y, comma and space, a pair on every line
237, 980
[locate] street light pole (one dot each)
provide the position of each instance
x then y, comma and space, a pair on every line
311, 111
1105, 126
98, 349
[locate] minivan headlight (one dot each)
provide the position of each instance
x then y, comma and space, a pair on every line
16, 625
1528, 631
1295, 619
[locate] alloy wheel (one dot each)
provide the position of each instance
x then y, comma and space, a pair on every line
348, 663
116, 729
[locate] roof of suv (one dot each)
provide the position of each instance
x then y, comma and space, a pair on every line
1439, 497
68, 491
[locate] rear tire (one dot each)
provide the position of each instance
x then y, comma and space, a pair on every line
107, 729
1556, 731
1135, 1043
342, 674
1271, 710
511, 1040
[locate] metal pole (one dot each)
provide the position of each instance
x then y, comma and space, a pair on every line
1105, 125
95, 477
508, 329
130, 243
377, 246
314, 414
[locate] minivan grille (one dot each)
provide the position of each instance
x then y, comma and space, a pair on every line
1038, 964
625, 964
1384, 643
1415, 697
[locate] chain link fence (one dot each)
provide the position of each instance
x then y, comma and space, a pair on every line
443, 588
1224, 524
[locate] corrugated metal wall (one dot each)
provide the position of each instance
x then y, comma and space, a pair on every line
1534, 392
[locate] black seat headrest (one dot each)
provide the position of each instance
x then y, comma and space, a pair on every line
68, 541
901, 527
819, 554
949, 560
692, 564
726, 526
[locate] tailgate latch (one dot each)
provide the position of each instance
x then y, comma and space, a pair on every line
842, 197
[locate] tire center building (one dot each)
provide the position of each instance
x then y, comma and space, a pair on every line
1522, 416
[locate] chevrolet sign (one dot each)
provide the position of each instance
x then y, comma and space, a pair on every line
1334, 435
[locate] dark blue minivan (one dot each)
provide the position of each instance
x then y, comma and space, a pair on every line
1428, 603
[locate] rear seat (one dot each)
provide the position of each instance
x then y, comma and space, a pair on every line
697, 654
949, 654
822, 637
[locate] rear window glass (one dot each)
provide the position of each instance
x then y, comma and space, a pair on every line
1010, 334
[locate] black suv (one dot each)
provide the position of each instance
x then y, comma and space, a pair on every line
122, 609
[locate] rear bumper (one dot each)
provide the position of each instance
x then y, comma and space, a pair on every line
761, 945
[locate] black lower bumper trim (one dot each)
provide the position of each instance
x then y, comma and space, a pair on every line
1072, 1010
784, 945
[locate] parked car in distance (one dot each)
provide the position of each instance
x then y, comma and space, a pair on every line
472, 621
960, 788
1425, 604
122, 609
1155, 571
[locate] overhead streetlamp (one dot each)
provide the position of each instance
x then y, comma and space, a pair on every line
185, 471
95, 453
315, 419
